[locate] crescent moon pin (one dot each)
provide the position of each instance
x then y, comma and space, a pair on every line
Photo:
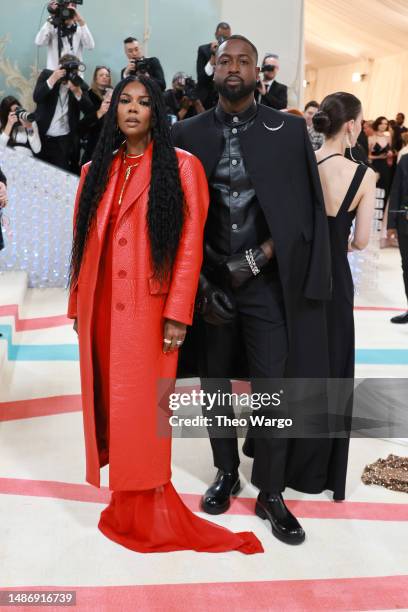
274, 129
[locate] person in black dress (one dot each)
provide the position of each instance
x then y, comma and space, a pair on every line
349, 194
90, 126
380, 154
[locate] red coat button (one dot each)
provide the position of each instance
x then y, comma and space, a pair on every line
123, 242
120, 306
122, 274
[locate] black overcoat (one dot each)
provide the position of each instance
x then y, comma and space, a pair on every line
282, 167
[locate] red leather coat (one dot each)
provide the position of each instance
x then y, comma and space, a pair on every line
138, 458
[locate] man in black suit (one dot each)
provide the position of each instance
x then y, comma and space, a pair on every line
398, 222
206, 65
270, 92
59, 104
149, 66
265, 277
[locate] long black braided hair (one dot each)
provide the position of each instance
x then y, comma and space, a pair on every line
166, 199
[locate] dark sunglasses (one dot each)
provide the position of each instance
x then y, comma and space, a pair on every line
268, 68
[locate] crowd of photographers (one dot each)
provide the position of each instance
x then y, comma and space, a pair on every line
69, 115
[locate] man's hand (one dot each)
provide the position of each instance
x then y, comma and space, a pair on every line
174, 335
56, 76
3, 195
130, 68
76, 90
214, 305
261, 87
77, 17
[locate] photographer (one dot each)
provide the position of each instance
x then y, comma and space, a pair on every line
139, 64
61, 96
18, 128
90, 126
3, 203
206, 66
75, 34
182, 100
270, 92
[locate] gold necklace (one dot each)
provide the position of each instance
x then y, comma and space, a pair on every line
128, 172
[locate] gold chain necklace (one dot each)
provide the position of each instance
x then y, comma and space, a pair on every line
128, 172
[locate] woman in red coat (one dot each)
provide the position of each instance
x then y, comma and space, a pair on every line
136, 258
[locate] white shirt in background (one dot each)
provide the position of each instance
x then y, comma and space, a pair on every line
22, 137
48, 37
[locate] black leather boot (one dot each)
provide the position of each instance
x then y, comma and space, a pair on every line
402, 318
285, 526
216, 499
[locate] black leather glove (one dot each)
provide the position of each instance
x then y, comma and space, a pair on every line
214, 305
237, 268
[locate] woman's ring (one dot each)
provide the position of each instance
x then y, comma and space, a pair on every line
167, 341
179, 342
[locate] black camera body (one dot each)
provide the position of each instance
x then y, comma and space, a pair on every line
23, 115
190, 89
141, 66
62, 13
72, 69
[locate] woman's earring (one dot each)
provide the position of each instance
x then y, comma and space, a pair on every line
350, 148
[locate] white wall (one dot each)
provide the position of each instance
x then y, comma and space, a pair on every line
273, 26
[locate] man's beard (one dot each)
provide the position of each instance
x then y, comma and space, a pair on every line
233, 94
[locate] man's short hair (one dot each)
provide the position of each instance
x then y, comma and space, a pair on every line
401, 115
130, 39
312, 104
246, 40
223, 25
68, 57
178, 76
268, 55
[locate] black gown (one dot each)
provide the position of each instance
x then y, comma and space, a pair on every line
340, 321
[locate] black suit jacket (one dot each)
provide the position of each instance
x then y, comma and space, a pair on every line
156, 72
283, 170
276, 97
399, 198
47, 100
205, 83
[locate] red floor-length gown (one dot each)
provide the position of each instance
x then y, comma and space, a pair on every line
154, 520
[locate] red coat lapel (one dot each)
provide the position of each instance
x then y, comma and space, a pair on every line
139, 182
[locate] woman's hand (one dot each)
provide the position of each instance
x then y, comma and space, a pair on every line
75, 327
11, 122
174, 335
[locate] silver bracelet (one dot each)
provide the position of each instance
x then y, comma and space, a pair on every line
251, 262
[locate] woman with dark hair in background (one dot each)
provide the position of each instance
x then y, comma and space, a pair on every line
349, 193
380, 154
136, 258
17, 133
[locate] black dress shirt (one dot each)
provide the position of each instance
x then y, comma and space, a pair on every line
235, 219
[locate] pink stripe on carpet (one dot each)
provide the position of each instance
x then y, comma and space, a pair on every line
44, 406
334, 594
33, 323
365, 511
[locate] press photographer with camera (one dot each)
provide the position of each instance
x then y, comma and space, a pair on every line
138, 64
206, 65
60, 97
270, 92
182, 100
64, 32
18, 128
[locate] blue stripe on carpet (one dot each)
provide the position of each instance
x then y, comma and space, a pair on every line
69, 352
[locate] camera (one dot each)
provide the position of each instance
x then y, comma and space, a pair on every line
23, 115
72, 69
190, 89
220, 40
141, 66
62, 12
